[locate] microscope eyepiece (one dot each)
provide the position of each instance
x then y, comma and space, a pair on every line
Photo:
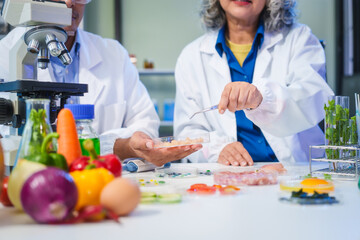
64, 55
53, 45
33, 46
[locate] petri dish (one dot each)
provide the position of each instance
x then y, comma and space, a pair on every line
304, 198
176, 172
308, 185
171, 141
245, 178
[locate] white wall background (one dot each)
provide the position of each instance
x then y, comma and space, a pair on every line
99, 18
159, 29
319, 15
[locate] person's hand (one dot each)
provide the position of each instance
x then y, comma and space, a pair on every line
235, 154
238, 96
143, 147
69, 3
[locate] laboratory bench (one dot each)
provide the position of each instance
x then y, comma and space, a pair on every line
255, 212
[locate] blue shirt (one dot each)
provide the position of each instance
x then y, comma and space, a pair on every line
68, 73
248, 133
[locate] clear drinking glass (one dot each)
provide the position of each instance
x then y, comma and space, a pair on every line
37, 126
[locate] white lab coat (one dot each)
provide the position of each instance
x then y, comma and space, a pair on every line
122, 103
289, 73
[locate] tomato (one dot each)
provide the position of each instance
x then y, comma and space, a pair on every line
201, 188
4, 198
229, 190
198, 185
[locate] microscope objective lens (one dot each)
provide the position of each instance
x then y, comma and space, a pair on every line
53, 45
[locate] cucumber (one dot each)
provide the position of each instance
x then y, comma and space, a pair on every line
148, 194
169, 198
148, 200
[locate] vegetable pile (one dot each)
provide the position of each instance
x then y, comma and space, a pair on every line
42, 186
110, 162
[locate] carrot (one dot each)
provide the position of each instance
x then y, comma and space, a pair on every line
68, 142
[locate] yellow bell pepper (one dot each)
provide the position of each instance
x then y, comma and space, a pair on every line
89, 183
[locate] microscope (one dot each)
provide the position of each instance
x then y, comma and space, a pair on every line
44, 37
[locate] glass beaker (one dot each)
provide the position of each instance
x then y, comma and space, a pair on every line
37, 126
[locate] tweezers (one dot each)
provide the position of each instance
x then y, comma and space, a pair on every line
205, 110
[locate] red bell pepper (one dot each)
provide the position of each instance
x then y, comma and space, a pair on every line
110, 162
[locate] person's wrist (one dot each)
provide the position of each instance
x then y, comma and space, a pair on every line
129, 145
123, 148
259, 102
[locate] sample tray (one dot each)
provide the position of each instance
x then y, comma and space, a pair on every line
346, 167
167, 142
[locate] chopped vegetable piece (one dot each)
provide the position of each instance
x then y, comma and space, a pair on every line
148, 194
302, 197
169, 198
148, 200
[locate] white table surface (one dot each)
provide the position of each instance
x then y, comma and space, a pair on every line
254, 213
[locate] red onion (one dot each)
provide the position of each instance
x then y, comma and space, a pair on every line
49, 195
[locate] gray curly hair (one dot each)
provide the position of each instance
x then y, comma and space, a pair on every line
276, 14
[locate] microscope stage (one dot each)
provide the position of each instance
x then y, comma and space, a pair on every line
43, 89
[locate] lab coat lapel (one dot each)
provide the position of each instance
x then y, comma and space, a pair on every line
219, 65
87, 74
264, 57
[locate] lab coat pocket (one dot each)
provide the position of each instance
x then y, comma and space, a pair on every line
113, 116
